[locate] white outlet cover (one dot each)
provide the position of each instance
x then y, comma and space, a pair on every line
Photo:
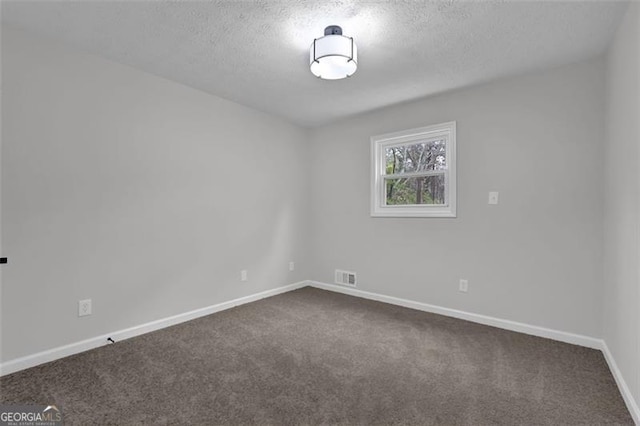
292, 266
84, 307
244, 275
464, 286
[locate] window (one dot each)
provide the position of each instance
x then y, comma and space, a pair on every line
414, 172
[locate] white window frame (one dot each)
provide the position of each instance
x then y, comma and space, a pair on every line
446, 131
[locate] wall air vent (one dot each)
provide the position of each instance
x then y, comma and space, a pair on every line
345, 278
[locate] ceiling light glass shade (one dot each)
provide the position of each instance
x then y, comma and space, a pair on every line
333, 56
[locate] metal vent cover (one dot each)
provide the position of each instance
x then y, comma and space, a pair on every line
345, 278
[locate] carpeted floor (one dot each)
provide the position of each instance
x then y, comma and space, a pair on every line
312, 356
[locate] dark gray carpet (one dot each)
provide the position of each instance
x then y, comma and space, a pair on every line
312, 356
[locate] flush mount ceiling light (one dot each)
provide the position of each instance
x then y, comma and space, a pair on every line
333, 56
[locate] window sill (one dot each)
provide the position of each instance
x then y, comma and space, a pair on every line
413, 212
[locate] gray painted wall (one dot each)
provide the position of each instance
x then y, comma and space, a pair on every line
534, 258
144, 195
622, 201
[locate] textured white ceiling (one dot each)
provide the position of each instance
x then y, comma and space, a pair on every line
256, 52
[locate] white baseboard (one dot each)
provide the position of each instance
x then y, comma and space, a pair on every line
576, 339
632, 405
63, 351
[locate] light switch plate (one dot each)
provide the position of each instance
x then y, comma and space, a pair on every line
493, 197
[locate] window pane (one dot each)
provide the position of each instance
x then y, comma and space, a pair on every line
415, 190
417, 157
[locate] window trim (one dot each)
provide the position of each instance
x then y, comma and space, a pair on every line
378, 198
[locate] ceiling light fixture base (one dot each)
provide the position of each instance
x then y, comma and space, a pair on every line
333, 30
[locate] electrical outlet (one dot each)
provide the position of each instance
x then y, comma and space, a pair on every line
84, 307
292, 266
244, 275
463, 286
